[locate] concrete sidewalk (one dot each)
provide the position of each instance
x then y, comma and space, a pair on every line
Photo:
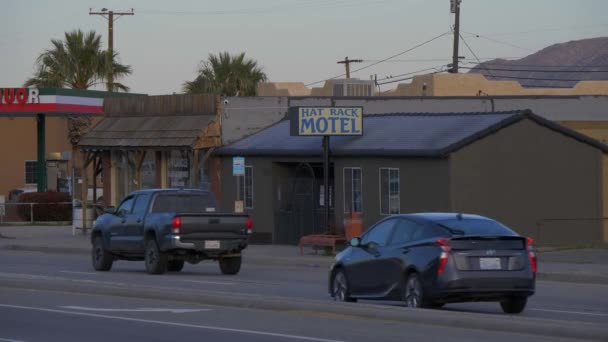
576, 265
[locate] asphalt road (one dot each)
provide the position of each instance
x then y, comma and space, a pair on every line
34, 315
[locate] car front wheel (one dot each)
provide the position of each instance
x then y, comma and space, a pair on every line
514, 305
340, 289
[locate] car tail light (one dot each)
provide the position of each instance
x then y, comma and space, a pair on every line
445, 252
531, 254
249, 225
176, 225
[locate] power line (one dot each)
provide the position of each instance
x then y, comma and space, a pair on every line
435, 59
472, 52
383, 60
499, 41
415, 72
407, 78
533, 70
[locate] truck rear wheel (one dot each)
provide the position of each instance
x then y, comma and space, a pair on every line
230, 265
156, 261
175, 265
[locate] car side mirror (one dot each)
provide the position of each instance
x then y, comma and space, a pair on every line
355, 242
110, 210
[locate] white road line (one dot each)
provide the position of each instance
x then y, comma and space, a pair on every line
571, 312
204, 327
9, 340
84, 308
74, 272
207, 282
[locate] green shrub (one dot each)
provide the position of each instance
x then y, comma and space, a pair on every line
49, 206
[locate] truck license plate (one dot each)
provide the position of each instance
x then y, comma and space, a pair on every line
489, 263
212, 244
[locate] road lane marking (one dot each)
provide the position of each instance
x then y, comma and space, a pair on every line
74, 272
203, 327
207, 282
84, 308
571, 312
9, 340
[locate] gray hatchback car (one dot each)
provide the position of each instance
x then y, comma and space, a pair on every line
430, 259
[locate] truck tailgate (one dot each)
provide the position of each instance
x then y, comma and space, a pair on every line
213, 226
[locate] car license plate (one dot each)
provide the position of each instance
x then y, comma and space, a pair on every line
212, 244
489, 263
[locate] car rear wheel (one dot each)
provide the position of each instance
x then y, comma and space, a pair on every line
175, 265
514, 305
340, 289
414, 293
230, 265
102, 259
156, 261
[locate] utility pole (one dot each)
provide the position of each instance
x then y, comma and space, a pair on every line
347, 62
455, 8
110, 16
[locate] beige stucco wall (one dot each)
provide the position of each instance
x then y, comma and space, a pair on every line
442, 85
18, 144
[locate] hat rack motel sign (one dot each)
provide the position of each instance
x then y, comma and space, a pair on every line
326, 121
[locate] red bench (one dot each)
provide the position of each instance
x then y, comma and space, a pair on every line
321, 240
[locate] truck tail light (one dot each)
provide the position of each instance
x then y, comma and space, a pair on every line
176, 225
444, 244
249, 225
531, 254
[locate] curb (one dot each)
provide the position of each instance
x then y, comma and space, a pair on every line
504, 323
315, 263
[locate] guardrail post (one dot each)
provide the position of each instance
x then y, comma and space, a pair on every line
32, 213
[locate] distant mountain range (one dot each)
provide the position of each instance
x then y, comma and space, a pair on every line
575, 60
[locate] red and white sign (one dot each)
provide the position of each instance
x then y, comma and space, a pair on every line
18, 96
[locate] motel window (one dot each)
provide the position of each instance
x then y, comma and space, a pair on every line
352, 190
246, 188
389, 191
30, 171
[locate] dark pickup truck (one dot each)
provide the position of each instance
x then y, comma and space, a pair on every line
165, 228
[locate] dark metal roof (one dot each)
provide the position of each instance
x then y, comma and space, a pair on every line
146, 131
395, 134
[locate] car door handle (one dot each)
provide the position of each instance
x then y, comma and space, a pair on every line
123, 221
405, 250
138, 221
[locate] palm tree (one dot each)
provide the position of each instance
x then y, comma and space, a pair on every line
77, 62
227, 75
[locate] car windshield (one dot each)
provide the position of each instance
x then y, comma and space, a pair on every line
184, 203
468, 226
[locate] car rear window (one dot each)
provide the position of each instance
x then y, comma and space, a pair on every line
184, 203
476, 227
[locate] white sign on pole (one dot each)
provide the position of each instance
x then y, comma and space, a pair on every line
2, 206
238, 166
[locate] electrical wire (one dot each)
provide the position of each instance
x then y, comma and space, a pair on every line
407, 78
437, 68
543, 66
472, 52
382, 60
476, 35
541, 79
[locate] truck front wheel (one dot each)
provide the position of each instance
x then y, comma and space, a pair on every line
156, 261
230, 265
102, 259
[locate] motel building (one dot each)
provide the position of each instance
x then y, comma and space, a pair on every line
529, 172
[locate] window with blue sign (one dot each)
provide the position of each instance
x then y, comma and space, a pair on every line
352, 190
389, 191
246, 188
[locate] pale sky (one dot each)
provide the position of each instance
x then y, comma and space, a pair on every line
294, 40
